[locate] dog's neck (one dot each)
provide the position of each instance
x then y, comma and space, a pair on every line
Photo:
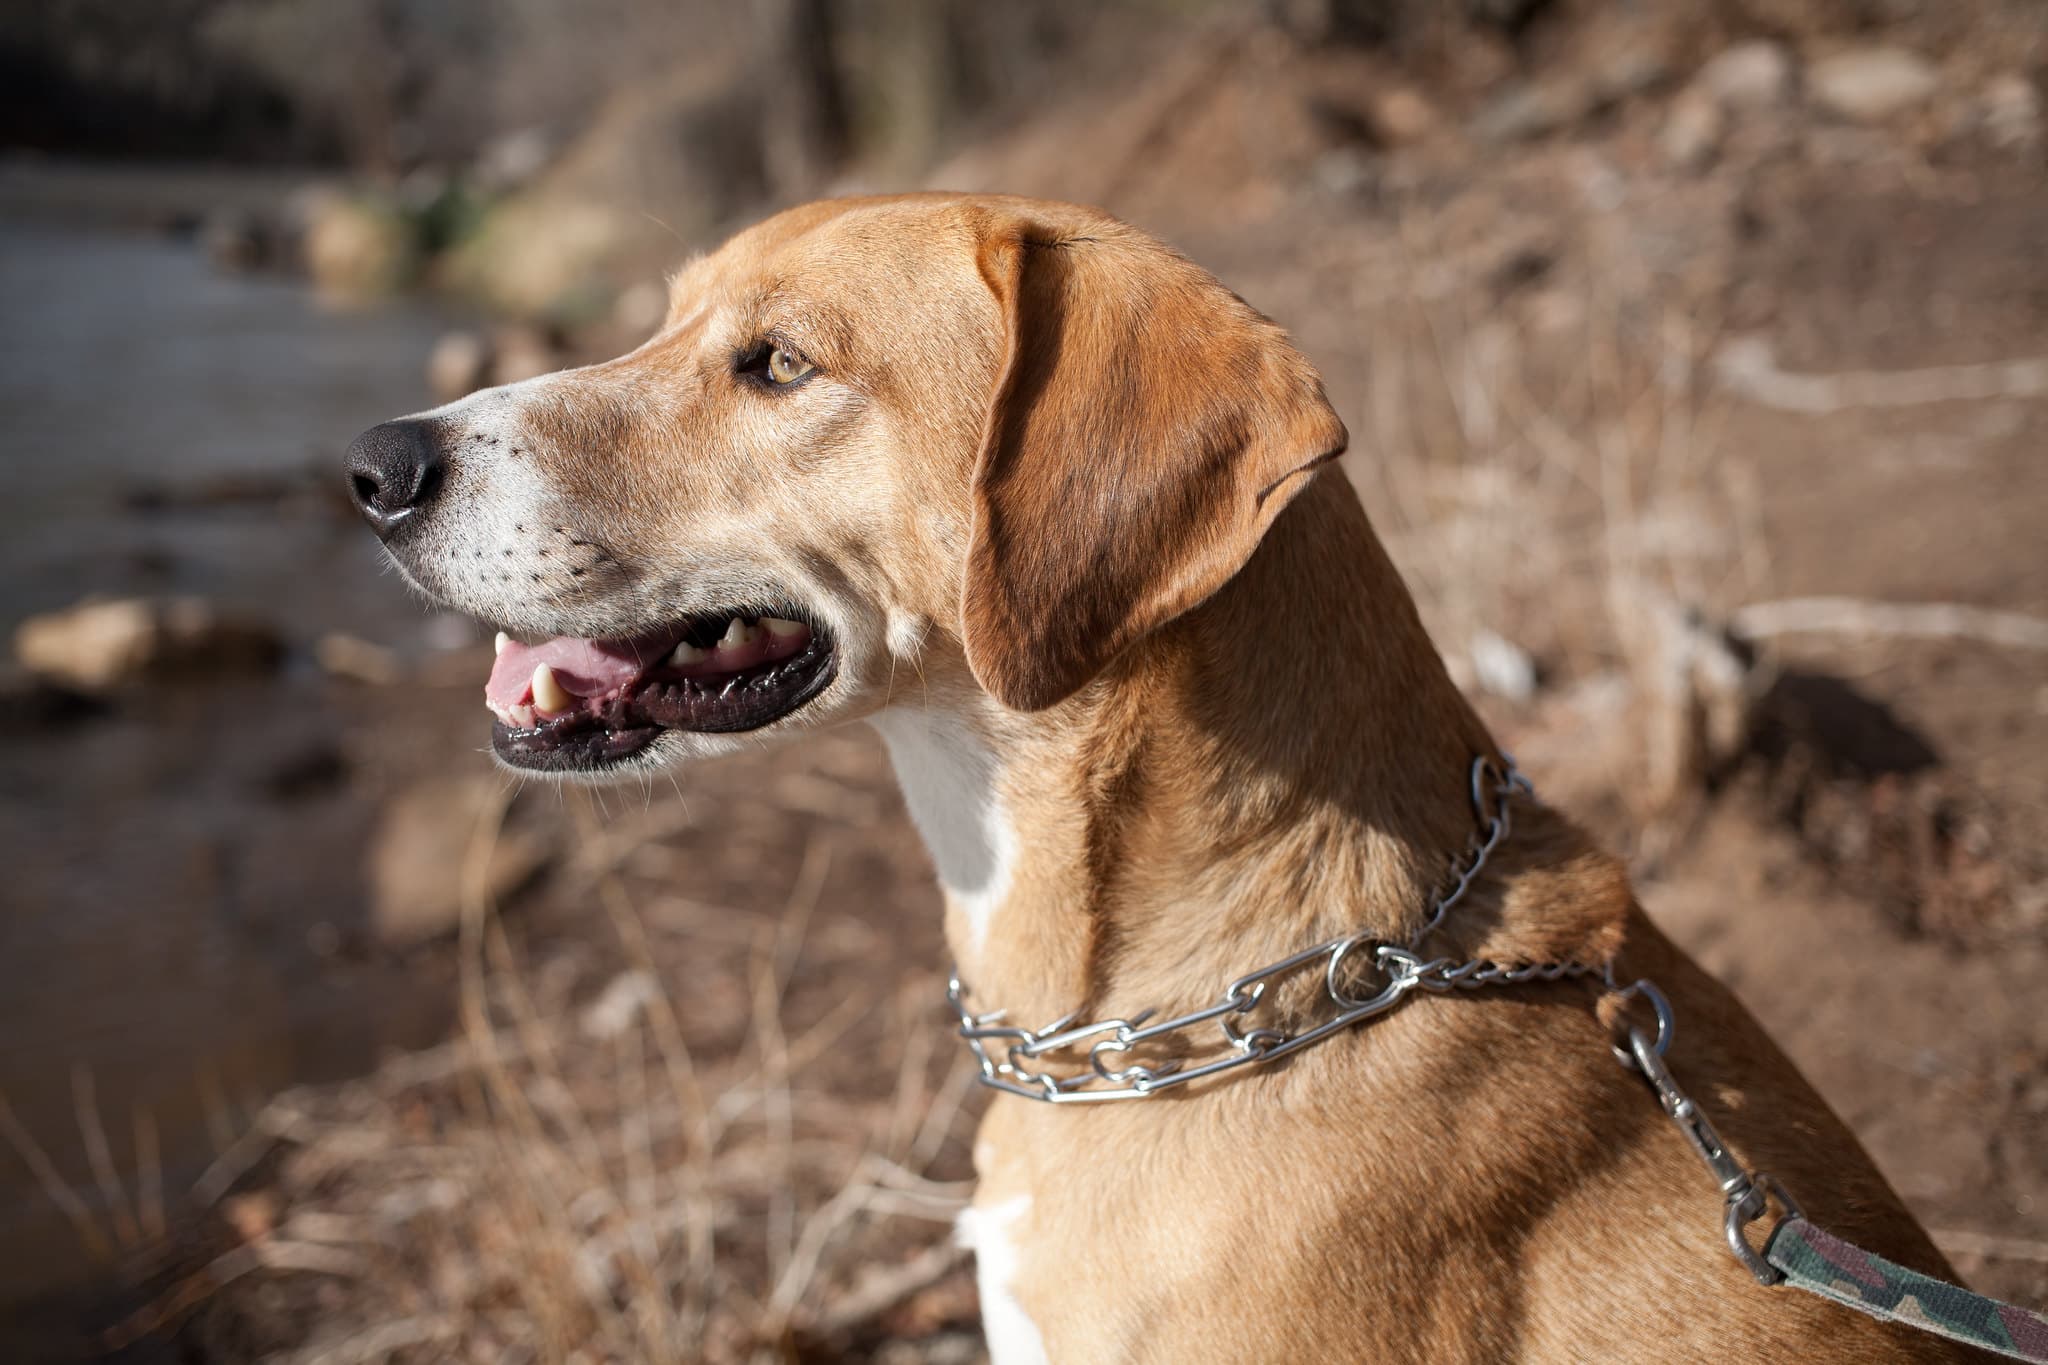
1287, 763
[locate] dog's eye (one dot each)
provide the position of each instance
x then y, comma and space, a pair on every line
784, 367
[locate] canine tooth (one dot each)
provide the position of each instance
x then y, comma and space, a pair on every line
498, 645
687, 653
781, 629
548, 694
737, 633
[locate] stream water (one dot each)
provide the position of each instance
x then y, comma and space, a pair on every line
178, 870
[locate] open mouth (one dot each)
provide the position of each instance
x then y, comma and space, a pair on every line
576, 705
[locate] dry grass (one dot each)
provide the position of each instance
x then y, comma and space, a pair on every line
1537, 471
598, 1168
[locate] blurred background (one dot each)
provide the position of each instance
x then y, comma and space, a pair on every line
1695, 355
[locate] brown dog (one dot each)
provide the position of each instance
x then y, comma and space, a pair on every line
1054, 511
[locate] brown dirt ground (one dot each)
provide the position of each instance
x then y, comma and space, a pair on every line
1521, 337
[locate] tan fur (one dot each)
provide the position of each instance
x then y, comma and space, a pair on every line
1056, 485
1139, 407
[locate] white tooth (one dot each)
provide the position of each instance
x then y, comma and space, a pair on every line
520, 716
781, 629
498, 646
549, 695
687, 653
736, 634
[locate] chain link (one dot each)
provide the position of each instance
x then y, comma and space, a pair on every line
1009, 1057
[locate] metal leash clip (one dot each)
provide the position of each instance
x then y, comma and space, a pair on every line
1747, 1197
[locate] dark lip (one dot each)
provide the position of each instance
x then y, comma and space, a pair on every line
588, 742
571, 749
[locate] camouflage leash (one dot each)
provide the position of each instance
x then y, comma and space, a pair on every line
1804, 1256
1823, 1264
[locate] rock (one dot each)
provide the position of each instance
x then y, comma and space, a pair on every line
29, 704
1750, 75
1554, 312
449, 630
418, 853
358, 660
234, 241
686, 144
640, 307
1692, 131
96, 645
458, 365
1615, 55
1870, 85
300, 775
2012, 113
538, 253
1345, 170
514, 159
1399, 117
253, 1216
619, 1006
1635, 63
520, 352
1525, 112
1502, 667
356, 248
263, 491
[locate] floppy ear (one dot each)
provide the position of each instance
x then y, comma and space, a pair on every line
1146, 428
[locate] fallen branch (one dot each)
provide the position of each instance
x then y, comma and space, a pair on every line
55, 1186
882, 1289
1958, 1242
231, 1265
379, 1342
1747, 366
238, 1160
1916, 620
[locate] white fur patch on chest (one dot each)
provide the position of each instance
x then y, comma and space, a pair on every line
948, 776
1013, 1338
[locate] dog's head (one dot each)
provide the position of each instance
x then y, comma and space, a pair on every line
870, 430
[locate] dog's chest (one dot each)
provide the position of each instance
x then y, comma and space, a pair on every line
948, 776
990, 1231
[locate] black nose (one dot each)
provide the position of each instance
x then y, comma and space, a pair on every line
393, 471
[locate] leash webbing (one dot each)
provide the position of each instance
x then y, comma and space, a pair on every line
1821, 1263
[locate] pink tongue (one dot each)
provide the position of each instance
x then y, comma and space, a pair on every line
585, 668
